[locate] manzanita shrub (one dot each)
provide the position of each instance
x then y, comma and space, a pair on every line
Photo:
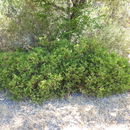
60, 68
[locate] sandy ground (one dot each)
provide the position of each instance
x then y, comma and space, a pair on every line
77, 112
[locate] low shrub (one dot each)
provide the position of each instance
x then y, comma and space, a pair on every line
58, 69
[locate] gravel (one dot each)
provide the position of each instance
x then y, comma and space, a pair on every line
77, 112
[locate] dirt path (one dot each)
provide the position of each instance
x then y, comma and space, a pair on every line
77, 112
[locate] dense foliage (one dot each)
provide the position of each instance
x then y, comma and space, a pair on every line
55, 48
58, 69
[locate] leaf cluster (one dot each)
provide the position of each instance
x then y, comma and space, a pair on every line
60, 68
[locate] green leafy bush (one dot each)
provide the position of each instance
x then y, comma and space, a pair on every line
60, 68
